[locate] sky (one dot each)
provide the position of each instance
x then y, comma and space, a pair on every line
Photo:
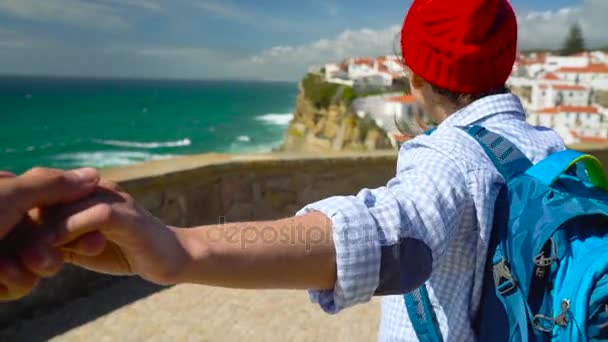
234, 39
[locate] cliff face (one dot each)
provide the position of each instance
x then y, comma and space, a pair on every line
323, 121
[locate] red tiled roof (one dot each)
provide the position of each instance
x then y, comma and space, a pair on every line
593, 68
597, 140
402, 99
364, 61
570, 109
553, 110
569, 87
574, 87
551, 77
530, 62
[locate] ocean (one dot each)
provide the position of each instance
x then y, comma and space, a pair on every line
70, 123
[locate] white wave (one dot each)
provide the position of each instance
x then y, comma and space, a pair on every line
144, 145
276, 119
106, 158
30, 148
244, 138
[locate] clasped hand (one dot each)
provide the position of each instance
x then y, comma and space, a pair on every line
51, 217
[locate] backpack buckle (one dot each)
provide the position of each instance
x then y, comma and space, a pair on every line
542, 262
546, 324
503, 278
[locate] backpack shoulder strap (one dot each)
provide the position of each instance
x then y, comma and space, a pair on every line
509, 161
421, 314
505, 156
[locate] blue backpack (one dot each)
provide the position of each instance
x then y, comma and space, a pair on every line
547, 272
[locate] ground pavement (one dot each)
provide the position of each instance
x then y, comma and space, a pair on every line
133, 310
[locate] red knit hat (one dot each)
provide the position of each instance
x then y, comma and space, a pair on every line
466, 46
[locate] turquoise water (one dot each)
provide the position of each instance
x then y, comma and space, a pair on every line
67, 123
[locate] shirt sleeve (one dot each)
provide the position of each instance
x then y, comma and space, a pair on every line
389, 239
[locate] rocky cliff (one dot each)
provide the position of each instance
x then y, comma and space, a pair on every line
324, 121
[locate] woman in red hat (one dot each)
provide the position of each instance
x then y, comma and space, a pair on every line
430, 225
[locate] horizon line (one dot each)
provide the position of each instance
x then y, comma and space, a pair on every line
142, 78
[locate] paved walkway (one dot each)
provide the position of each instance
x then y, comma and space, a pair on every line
196, 313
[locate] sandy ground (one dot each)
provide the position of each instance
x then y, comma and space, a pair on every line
135, 311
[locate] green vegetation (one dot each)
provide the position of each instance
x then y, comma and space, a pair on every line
348, 95
323, 94
575, 42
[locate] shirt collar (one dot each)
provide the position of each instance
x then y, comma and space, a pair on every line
483, 108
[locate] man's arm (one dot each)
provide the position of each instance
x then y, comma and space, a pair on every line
294, 253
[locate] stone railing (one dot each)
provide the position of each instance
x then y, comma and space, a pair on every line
205, 189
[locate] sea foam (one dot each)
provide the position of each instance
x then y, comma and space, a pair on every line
144, 145
106, 158
276, 119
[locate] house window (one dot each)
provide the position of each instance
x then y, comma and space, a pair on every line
571, 94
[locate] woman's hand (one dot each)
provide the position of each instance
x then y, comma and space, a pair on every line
20, 231
109, 233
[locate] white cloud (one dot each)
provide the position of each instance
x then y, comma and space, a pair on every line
548, 29
282, 62
536, 29
290, 62
12, 39
71, 12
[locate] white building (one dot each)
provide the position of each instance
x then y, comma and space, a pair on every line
554, 63
599, 57
529, 66
335, 71
545, 95
393, 66
586, 119
378, 79
584, 75
401, 107
360, 67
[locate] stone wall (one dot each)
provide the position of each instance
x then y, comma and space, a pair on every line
205, 189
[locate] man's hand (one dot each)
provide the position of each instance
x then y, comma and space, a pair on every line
37, 188
109, 233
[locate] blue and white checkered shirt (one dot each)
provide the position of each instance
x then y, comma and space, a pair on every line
432, 222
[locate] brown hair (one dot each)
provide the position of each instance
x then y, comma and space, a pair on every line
463, 100
459, 100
